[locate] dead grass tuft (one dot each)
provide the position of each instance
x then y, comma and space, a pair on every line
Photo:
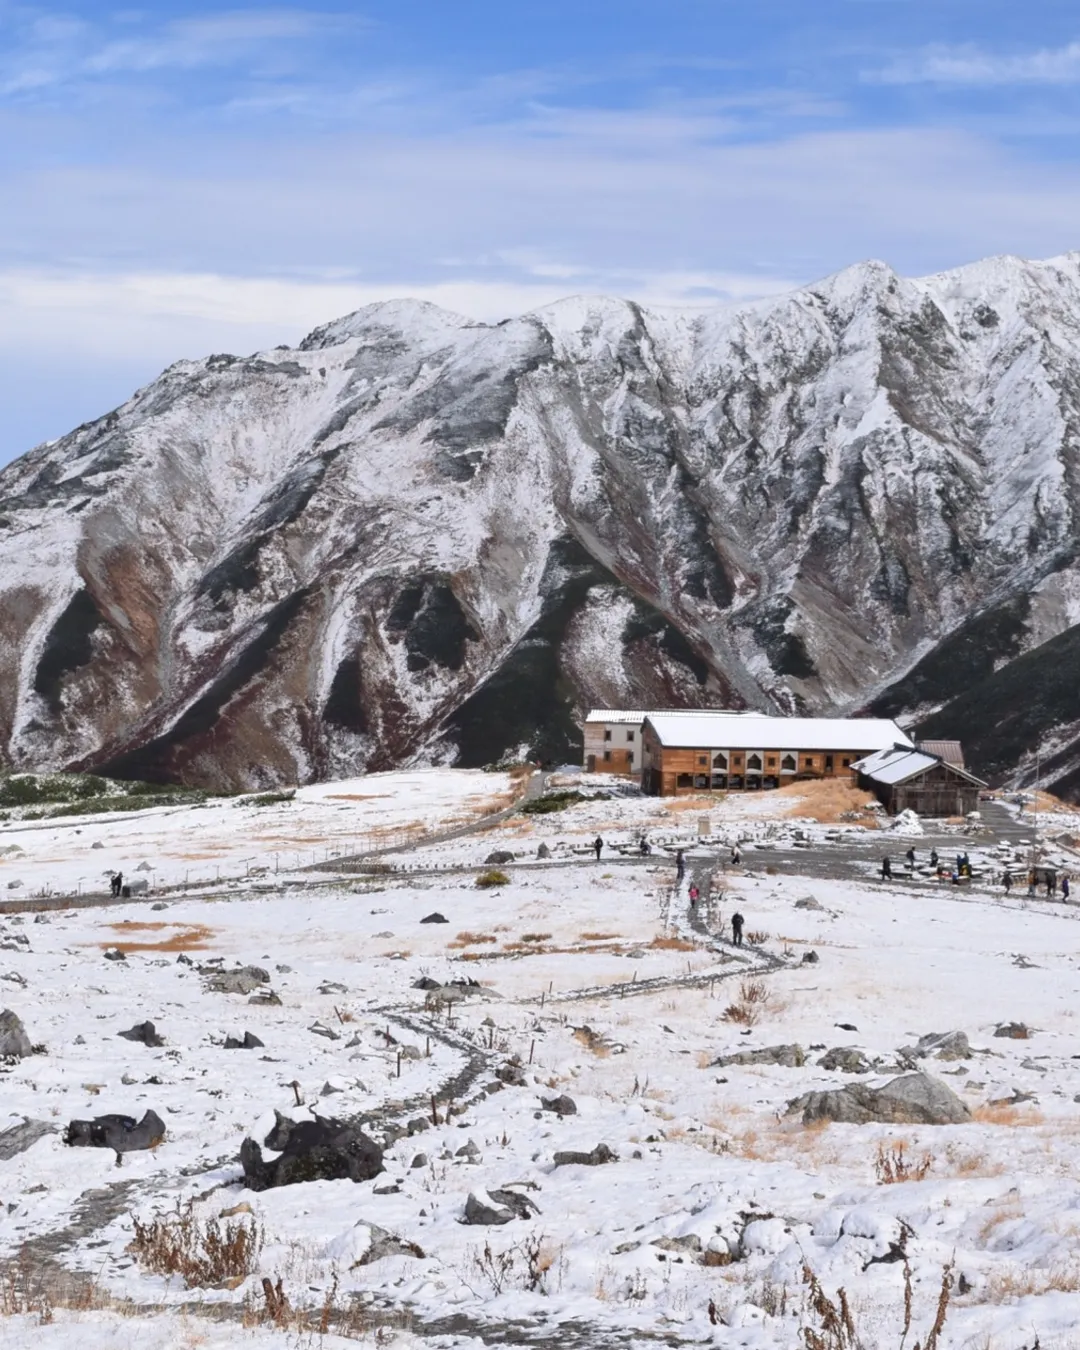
1001, 1113
892, 1164
748, 1008
829, 801
599, 937
672, 944
203, 1253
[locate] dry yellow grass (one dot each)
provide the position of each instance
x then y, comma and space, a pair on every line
671, 944
825, 800
599, 937
1003, 1114
468, 939
183, 937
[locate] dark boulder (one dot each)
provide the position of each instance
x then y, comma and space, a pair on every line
142, 1033
250, 1042
561, 1105
435, 917
123, 1134
498, 858
497, 1207
14, 1042
311, 1150
600, 1154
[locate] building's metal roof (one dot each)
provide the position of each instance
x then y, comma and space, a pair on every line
951, 752
706, 731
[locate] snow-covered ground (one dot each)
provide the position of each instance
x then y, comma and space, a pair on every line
603, 985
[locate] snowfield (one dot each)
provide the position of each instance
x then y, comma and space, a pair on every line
595, 981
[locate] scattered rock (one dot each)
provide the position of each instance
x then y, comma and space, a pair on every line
159, 905
846, 1058
144, 867
1015, 1031
319, 1029
498, 858
468, 1150
561, 1105
689, 1243
143, 1033
97, 844
123, 1134
810, 958
311, 1150
420, 1160
600, 1154
250, 1042
512, 1074
808, 902
382, 1243
332, 987
14, 1042
436, 917
18, 1138
425, 982
114, 954
543, 851
788, 1056
265, 998
1032, 1064
243, 980
1018, 1098
912, 1099
284, 970
497, 1207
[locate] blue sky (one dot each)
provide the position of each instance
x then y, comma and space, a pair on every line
204, 177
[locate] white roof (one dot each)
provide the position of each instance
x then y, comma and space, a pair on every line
893, 766
897, 764
703, 731
621, 715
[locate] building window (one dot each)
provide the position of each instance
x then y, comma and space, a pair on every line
788, 763
703, 761
607, 756
685, 780
771, 761
630, 737
719, 760
828, 761
754, 762
607, 733
808, 761
846, 763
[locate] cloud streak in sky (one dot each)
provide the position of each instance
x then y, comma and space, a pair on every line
969, 66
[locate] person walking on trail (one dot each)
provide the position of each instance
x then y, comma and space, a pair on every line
737, 922
1006, 881
694, 893
886, 869
680, 865
1065, 886
934, 858
910, 856
643, 847
736, 855
1051, 884
117, 882
1031, 882
598, 844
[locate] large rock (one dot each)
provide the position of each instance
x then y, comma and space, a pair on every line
499, 858
14, 1042
311, 1150
562, 1105
788, 1056
18, 1138
123, 1134
943, 1045
912, 1099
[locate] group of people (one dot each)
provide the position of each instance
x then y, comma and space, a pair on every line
1051, 882
960, 872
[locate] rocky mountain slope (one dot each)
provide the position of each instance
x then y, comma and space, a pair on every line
419, 537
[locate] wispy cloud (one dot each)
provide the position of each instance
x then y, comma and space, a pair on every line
973, 66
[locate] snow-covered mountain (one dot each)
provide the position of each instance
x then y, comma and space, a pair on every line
416, 536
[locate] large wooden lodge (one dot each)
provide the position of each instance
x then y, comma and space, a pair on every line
703, 750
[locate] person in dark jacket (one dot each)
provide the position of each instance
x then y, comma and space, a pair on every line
1006, 881
737, 922
598, 844
886, 869
910, 856
117, 882
680, 865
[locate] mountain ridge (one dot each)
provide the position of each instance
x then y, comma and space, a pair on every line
416, 536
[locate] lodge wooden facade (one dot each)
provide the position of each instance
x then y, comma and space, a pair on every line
917, 781
671, 770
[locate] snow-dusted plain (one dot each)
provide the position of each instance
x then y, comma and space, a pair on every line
603, 984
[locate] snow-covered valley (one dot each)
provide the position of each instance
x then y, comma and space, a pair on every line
596, 981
